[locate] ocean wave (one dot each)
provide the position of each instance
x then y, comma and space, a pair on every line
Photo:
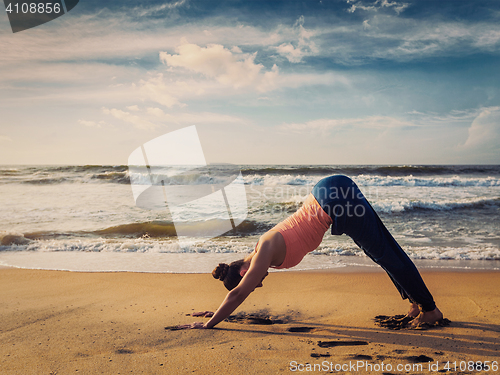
453, 253
369, 180
167, 229
283, 179
191, 179
118, 177
46, 181
78, 169
472, 252
407, 205
153, 229
405, 175
449, 181
229, 246
148, 229
9, 239
46, 175
381, 170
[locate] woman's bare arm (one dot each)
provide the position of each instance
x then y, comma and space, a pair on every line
253, 277
258, 270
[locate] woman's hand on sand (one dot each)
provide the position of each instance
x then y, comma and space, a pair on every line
195, 325
206, 314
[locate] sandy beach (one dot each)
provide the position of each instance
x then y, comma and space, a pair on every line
55, 322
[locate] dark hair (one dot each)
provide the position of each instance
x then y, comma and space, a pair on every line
229, 274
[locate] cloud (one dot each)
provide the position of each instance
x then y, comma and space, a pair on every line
137, 121
453, 117
133, 108
158, 91
184, 118
217, 62
302, 45
107, 36
4, 138
377, 5
155, 112
146, 119
167, 6
312, 79
393, 38
484, 132
203, 118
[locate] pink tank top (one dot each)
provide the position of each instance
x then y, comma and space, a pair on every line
303, 231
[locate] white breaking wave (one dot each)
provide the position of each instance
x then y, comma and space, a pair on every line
129, 245
371, 180
237, 246
404, 205
449, 181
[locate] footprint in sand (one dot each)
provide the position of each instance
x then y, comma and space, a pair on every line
330, 344
300, 329
419, 359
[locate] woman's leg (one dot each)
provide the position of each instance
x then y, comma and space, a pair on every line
353, 215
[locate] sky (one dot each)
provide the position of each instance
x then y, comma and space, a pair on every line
264, 82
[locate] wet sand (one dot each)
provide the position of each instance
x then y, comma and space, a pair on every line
56, 322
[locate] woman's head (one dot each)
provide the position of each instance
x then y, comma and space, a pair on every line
229, 274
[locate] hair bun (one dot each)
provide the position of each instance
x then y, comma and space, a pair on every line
220, 271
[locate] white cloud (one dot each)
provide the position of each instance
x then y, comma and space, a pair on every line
487, 39
398, 39
133, 108
157, 90
4, 138
377, 5
137, 121
202, 118
146, 119
165, 6
173, 88
189, 118
228, 68
484, 132
310, 79
301, 46
453, 117
388, 37
155, 112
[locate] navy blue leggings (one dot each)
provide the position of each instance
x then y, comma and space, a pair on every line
353, 215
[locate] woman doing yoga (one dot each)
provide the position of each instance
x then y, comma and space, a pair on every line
334, 201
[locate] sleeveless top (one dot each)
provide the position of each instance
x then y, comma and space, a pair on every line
303, 231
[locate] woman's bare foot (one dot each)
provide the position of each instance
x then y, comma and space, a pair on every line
429, 317
414, 311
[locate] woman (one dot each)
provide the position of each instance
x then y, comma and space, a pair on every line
334, 201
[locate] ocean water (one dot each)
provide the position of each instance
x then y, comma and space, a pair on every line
85, 218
